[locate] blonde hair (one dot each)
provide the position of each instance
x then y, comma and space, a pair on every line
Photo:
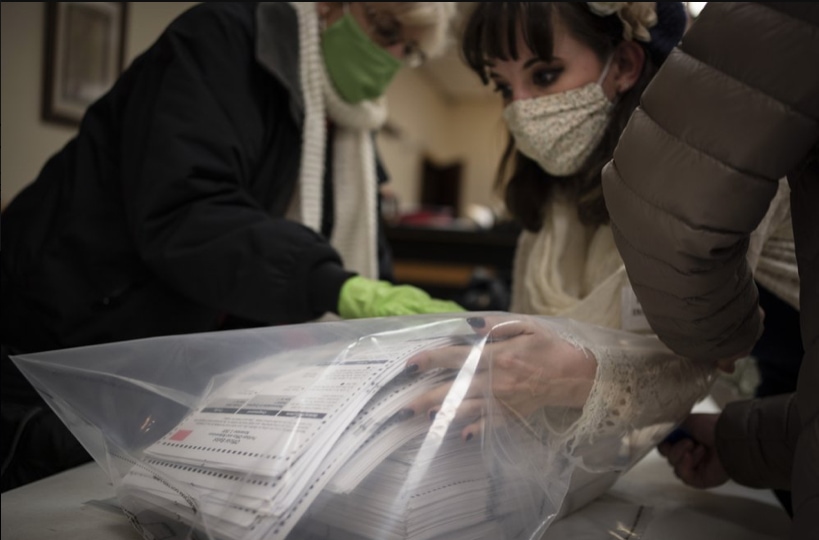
432, 20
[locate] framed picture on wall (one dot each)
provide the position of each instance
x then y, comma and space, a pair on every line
84, 55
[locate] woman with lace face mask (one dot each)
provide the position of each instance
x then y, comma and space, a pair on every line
569, 75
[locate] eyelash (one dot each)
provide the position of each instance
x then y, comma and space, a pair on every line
540, 78
388, 35
550, 76
503, 90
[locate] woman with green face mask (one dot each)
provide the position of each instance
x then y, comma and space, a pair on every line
362, 54
349, 53
227, 180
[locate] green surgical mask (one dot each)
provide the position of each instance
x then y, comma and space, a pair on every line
360, 69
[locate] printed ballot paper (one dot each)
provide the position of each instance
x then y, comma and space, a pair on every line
302, 432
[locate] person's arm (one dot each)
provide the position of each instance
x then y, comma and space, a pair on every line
719, 446
608, 394
730, 112
193, 137
203, 119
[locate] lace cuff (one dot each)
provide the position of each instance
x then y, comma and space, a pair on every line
638, 396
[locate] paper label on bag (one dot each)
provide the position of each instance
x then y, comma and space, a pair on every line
632, 317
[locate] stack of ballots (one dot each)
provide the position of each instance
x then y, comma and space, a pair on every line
322, 452
301, 433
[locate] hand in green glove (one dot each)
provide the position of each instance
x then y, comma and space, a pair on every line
361, 298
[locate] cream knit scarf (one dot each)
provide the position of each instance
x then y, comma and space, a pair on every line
568, 269
354, 177
772, 251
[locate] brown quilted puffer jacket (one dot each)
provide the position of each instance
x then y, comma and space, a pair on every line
733, 109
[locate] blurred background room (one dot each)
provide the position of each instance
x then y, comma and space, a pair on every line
440, 146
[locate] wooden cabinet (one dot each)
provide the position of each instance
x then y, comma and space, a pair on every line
445, 262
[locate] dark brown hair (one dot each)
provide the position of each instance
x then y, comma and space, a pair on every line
491, 32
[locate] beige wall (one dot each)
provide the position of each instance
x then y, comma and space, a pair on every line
430, 122
444, 130
479, 140
25, 142
416, 109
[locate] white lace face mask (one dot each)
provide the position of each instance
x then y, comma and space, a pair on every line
559, 131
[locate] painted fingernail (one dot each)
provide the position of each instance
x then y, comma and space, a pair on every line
410, 369
432, 414
476, 322
468, 437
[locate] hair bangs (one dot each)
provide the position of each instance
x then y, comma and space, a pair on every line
493, 30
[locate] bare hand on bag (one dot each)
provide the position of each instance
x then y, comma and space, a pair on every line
522, 366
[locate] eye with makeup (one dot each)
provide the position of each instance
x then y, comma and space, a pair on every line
543, 77
535, 78
503, 89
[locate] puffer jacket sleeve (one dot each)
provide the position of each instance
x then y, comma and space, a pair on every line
732, 110
775, 420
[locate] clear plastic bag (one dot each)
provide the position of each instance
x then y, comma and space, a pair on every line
323, 430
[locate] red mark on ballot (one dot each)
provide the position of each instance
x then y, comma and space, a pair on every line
181, 435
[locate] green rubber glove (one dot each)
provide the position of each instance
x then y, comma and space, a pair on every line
362, 298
